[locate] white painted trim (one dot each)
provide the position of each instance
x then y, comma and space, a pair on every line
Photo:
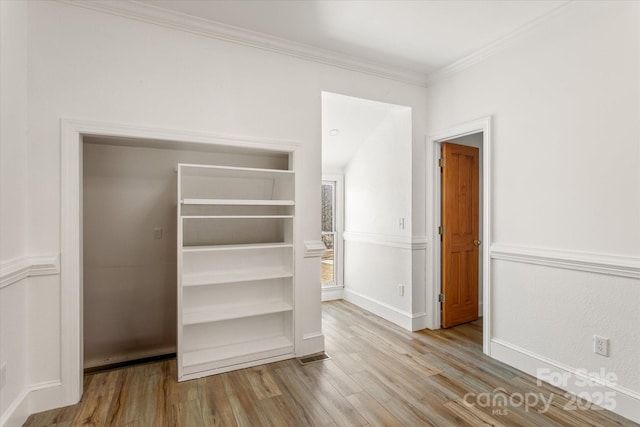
433, 185
12, 271
45, 265
491, 49
406, 320
44, 396
312, 343
33, 399
71, 134
627, 401
419, 243
402, 242
119, 358
331, 293
313, 248
612, 265
17, 412
156, 15
419, 321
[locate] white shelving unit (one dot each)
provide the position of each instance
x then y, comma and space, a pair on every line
235, 268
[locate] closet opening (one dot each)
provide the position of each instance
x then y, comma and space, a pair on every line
131, 308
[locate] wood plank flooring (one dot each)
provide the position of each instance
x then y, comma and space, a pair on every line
378, 375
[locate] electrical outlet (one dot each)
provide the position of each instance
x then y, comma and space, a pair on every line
601, 345
3, 375
401, 290
157, 233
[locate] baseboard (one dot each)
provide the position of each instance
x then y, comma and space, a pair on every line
18, 412
45, 396
624, 402
88, 364
311, 344
36, 398
330, 293
408, 321
419, 321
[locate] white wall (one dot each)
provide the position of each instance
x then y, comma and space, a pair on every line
94, 66
377, 195
565, 107
13, 210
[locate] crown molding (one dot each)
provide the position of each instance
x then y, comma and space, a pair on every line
192, 24
492, 48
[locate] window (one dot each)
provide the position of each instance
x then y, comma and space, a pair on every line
329, 235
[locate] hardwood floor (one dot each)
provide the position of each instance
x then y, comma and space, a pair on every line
378, 375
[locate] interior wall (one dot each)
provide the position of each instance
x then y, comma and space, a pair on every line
377, 198
565, 103
129, 275
13, 209
89, 65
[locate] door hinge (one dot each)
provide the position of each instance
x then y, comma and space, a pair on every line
441, 230
441, 163
441, 298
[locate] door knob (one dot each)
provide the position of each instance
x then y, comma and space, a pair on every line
477, 242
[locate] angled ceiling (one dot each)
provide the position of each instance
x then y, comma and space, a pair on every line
417, 36
354, 119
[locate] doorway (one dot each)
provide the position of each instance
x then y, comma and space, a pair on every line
476, 134
460, 283
367, 145
74, 133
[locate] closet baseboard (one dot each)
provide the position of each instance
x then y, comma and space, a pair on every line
124, 364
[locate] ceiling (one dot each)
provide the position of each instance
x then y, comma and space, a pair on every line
413, 35
355, 119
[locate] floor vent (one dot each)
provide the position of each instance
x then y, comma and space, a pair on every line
314, 358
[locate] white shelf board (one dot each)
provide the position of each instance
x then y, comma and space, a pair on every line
237, 216
214, 170
233, 277
218, 313
213, 354
244, 247
237, 202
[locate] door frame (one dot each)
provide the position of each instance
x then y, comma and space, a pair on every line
434, 147
71, 265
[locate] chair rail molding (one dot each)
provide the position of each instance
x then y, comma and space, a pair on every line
14, 270
613, 265
402, 242
313, 248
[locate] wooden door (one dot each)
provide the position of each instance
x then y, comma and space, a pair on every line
460, 239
